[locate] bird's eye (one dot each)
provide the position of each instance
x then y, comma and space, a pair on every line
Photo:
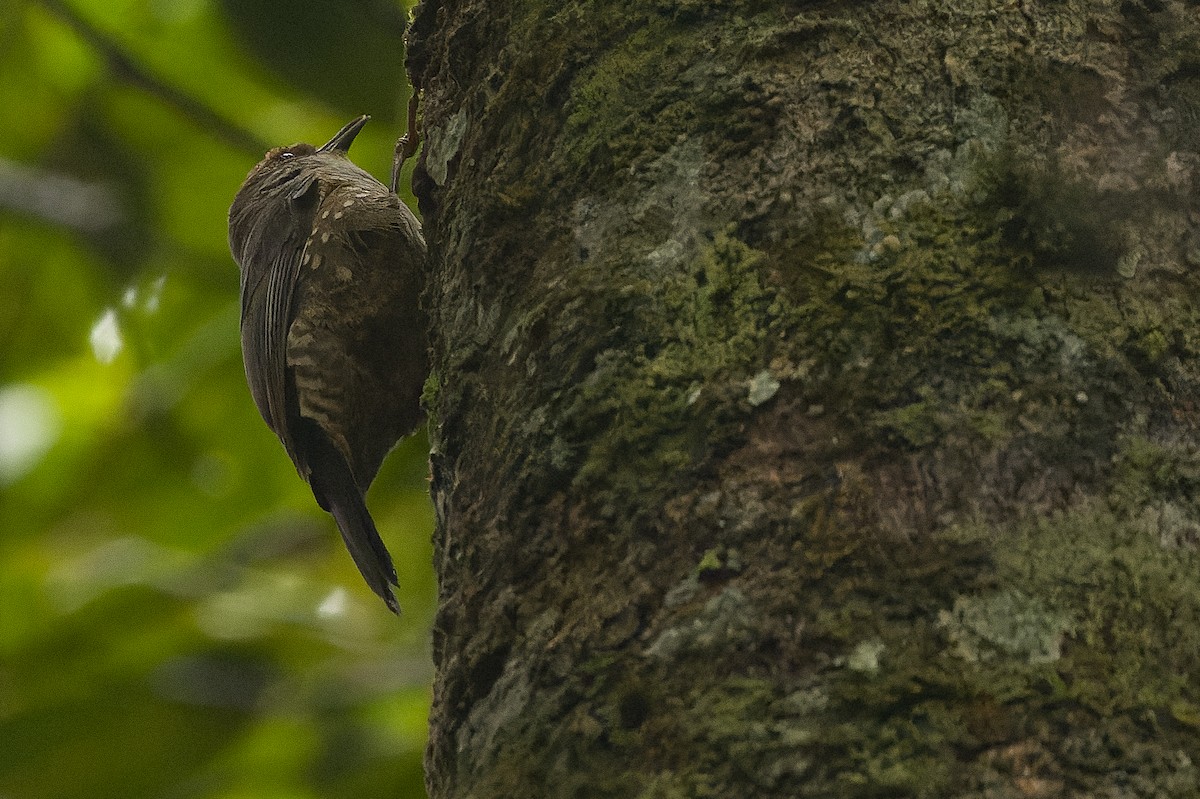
286, 155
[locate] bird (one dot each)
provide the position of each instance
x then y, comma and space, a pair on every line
334, 339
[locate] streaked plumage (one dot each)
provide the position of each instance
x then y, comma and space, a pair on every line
333, 337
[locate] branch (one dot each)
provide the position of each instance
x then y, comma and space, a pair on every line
126, 68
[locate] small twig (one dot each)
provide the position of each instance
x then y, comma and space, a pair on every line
126, 68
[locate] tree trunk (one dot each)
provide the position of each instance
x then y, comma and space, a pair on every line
814, 407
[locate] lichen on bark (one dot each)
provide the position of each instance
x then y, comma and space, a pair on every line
812, 409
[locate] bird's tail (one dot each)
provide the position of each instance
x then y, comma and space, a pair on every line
334, 487
366, 547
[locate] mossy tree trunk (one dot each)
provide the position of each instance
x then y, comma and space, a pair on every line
816, 396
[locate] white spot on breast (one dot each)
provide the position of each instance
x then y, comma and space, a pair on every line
324, 238
316, 260
344, 274
307, 257
325, 215
338, 215
348, 203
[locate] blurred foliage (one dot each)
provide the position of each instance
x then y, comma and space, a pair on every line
177, 617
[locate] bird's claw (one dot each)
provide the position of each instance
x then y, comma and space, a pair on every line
407, 144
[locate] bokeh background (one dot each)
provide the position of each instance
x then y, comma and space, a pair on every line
177, 617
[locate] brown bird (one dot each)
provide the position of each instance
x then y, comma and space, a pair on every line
333, 336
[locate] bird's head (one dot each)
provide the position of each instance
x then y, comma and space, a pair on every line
285, 180
282, 165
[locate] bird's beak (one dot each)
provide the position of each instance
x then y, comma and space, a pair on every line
342, 140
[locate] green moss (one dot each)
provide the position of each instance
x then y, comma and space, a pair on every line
710, 562
1082, 622
1134, 606
658, 84
1154, 345
975, 346
917, 424
602, 122
930, 337
945, 335
1147, 472
742, 734
667, 403
429, 392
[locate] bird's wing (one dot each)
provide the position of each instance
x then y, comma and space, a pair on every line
271, 259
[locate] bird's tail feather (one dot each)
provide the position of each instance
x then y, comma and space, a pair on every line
366, 547
334, 487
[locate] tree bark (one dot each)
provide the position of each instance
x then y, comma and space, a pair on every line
814, 407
